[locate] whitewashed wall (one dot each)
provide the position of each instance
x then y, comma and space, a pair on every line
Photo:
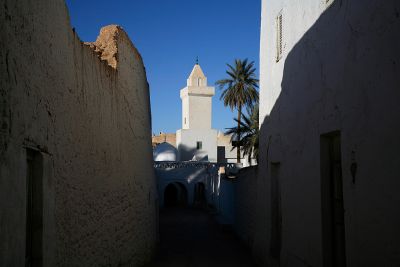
187, 140
339, 72
245, 208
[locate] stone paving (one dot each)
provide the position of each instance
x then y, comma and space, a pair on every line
190, 237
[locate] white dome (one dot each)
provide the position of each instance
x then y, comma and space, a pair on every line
165, 152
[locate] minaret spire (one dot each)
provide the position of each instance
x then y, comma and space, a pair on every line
197, 60
197, 77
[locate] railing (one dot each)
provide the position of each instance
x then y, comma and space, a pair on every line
195, 164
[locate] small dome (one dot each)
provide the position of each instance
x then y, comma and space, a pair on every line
165, 152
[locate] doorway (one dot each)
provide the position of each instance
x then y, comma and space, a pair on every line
333, 225
175, 195
276, 212
34, 208
200, 195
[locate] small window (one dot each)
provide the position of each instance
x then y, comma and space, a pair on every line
279, 41
185, 120
199, 145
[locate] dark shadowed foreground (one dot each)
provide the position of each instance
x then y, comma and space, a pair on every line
190, 237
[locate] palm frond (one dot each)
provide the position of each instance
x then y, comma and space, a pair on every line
249, 132
239, 90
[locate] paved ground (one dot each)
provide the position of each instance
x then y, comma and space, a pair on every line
190, 237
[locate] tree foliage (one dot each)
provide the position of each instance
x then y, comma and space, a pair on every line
239, 90
249, 132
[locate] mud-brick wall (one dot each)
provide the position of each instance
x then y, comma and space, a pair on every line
84, 109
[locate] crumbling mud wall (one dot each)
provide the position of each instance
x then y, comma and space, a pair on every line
75, 122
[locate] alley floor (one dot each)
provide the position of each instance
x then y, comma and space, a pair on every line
190, 237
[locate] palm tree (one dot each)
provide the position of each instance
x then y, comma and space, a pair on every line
249, 133
239, 90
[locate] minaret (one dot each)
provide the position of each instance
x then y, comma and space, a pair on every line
197, 101
196, 140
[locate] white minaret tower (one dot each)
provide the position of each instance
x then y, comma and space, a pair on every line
196, 101
196, 140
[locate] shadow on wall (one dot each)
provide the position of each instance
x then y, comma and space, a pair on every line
186, 153
200, 199
342, 75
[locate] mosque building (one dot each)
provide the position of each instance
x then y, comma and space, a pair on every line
192, 164
196, 140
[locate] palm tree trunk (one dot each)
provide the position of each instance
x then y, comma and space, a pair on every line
238, 134
249, 157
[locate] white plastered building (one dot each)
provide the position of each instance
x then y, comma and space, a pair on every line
197, 140
328, 176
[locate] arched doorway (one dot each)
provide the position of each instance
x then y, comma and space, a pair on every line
175, 195
200, 195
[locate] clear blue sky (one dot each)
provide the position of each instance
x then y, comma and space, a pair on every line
169, 35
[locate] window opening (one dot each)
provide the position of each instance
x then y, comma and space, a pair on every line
279, 33
199, 145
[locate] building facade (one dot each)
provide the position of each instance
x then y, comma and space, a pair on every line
197, 140
169, 138
191, 171
327, 184
77, 185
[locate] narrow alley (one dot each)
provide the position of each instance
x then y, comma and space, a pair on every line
191, 237
200, 133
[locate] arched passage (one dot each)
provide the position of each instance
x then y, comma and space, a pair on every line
200, 195
175, 195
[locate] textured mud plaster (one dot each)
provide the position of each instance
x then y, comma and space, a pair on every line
85, 109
